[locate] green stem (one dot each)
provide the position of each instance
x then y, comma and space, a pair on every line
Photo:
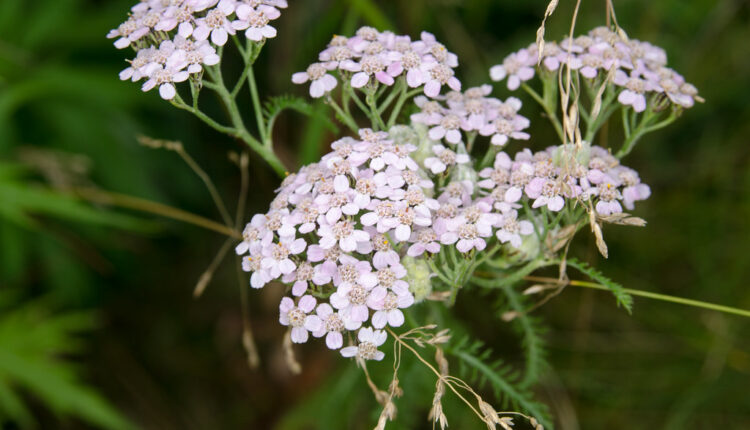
399, 88
606, 110
137, 203
180, 104
515, 276
405, 95
549, 109
377, 121
668, 298
344, 117
264, 149
643, 128
489, 157
357, 100
264, 133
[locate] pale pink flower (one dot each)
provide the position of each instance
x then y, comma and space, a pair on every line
546, 192
260, 276
214, 24
351, 301
342, 233
367, 349
387, 306
326, 322
255, 22
295, 316
164, 78
444, 160
510, 229
423, 240
321, 82
517, 67
276, 256
440, 74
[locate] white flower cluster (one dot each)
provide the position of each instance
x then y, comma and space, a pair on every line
472, 111
640, 68
548, 178
171, 37
332, 230
372, 57
338, 229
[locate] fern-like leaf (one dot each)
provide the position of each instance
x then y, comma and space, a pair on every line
623, 298
32, 341
531, 329
477, 365
273, 107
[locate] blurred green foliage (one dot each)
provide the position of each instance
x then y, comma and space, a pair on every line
170, 362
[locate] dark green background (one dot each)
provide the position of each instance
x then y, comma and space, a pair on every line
167, 361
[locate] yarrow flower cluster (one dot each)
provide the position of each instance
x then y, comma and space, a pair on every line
372, 57
331, 231
176, 39
339, 229
551, 177
639, 68
472, 111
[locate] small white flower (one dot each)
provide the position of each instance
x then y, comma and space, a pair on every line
367, 349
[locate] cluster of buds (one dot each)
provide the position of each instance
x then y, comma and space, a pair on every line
638, 68
174, 40
472, 111
371, 57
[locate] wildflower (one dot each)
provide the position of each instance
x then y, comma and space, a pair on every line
255, 22
388, 305
516, 67
276, 256
295, 316
633, 94
367, 349
165, 78
423, 240
511, 229
329, 323
342, 233
214, 24
445, 159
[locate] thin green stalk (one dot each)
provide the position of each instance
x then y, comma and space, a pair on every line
626, 123
362, 107
397, 90
516, 276
143, 205
180, 104
406, 95
668, 298
643, 128
218, 201
264, 134
263, 149
377, 121
606, 111
549, 110
344, 117
489, 157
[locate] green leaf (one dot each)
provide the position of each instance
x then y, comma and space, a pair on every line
22, 199
623, 298
531, 329
275, 105
476, 363
32, 341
